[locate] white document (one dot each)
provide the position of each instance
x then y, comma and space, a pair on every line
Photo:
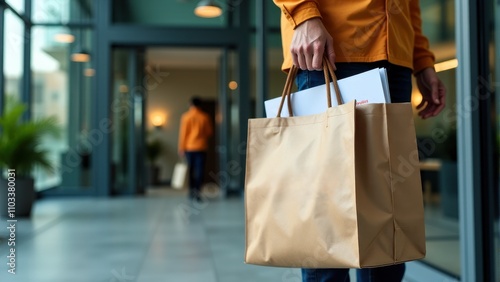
367, 87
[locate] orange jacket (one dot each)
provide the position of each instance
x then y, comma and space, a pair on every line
363, 30
195, 130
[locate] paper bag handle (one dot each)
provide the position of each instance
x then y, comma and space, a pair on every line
335, 83
328, 72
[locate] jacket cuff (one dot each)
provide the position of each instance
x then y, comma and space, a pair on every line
419, 64
301, 13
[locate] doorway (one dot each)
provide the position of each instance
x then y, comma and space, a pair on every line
152, 87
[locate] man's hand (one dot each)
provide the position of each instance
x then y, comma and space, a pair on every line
310, 42
181, 154
433, 93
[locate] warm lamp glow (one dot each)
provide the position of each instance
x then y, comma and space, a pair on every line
446, 65
80, 57
64, 38
89, 72
233, 85
158, 120
416, 98
123, 88
208, 9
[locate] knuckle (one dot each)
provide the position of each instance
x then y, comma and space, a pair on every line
317, 45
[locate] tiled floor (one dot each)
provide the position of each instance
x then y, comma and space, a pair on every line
443, 246
160, 237
155, 238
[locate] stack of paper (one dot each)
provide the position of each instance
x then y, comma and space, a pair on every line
368, 87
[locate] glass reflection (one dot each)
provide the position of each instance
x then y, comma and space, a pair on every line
13, 55
61, 11
17, 5
61, 88
495, 70
438, 145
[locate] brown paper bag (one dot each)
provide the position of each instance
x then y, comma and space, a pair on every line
339, 189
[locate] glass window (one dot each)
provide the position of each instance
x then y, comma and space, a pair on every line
273, 14
17, 5
62, 10
13, 54
62, 88
166, 13
438, 146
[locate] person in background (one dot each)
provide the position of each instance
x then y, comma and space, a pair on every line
356, 36
195, 132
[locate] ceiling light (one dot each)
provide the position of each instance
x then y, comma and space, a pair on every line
89, 72
233, 85
208, 9
64, 38
80, 56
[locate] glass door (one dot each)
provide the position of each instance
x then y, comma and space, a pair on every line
437, 144
222, 121
228, 124
437, 141
495, 136
127, 114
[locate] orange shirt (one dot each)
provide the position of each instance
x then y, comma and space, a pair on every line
195, 130
363, 30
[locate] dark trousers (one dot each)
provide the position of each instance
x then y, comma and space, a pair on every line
391, 273
399, 77
400, 89
196, 165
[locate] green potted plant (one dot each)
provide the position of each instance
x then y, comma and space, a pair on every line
20, 153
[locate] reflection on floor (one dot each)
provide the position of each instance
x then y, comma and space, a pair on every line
443, 246
155, 238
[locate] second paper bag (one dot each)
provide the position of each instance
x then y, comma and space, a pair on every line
334, 190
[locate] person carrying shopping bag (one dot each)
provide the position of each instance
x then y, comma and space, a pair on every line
194, 134
356, 36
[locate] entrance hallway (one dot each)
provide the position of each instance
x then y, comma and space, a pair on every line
155, 238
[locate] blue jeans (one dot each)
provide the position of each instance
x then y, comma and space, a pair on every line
196, 165
400, 89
